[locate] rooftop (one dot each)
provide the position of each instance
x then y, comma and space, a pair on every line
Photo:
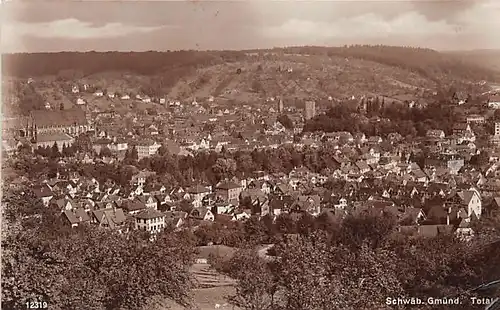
52, 137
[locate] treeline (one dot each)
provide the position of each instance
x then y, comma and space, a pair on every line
426, 62
403, 120
81, 64
172, 169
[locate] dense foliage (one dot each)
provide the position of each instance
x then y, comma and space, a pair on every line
390, 118
360, 263
75, 64
86, 268
426, 62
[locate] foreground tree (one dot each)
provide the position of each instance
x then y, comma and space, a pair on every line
89, 268
256, 288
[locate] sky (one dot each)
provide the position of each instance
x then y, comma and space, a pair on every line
66, 25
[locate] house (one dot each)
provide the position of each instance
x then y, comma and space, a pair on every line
435, 134
118, 145
174, 219
413, 216
307, 203
149, 201
202, 213
475, 119
150, 220
494, 101
342, 204
263, 185
99, 93
112, 218
461, 129
63, 204
44, 193
459, 98
241, 215
470, 200
198, 192
220, 208
464, 230
229, 191
374, 140
133, 206
362, 166
139, 179
162, 199
76, 216
147, 148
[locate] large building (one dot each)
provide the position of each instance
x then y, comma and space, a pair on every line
59, 138
147, 148
72, 122
310, 110
150, 220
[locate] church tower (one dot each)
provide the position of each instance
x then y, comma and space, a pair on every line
280, 105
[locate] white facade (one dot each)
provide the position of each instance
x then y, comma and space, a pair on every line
152, 225
147, 150
120, 146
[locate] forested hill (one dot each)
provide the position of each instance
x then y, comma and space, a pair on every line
428, 63
485, 58
87, 63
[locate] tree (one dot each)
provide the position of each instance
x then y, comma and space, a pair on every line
133, 153
131, 157
255, 231
285, 121
256, 287
105, 152
224, 168
54, 151
480, 160
44, 259
64, 150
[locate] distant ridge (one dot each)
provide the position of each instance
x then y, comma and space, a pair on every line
422, 60
486, 58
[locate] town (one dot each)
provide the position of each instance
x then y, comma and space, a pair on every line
449, 188
230, 172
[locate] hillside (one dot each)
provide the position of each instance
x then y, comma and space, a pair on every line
245, 76
484, 58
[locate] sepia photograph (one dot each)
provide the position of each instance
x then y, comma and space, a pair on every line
250, 155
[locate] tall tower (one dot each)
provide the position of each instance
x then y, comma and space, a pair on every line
280, 105
310, 109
